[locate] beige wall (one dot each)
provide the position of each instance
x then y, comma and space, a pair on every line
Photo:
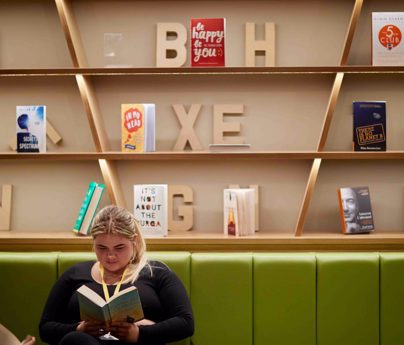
282, 112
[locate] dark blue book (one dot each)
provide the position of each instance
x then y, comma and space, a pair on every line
369, 126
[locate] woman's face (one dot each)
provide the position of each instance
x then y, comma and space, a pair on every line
114, 251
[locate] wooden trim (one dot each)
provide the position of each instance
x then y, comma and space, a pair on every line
351, 31
112, 184
307, 196
332, 103
199, 242
93, 114
183, 71
72, 34
202, 155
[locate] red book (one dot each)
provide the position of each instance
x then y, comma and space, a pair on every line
207, 42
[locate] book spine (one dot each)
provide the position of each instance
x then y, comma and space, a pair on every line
101, 188
341, 211
84, 206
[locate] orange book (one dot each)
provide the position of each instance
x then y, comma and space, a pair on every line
138, 127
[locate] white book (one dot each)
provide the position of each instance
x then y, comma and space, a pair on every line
31, 128
239, 211
138, 127
151, 208
387, 38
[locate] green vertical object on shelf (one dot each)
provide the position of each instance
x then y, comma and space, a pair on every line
88, 208
84, 206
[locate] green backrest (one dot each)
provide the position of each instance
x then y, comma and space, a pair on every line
25, 282
221, 297
348, 299
245, 299
391, 298
284, 299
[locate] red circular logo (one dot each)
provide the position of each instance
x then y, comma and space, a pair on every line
390, 36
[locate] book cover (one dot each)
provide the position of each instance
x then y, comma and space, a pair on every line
138, 127
239, 211
84, 206
387, 40
123, 306
356, 210
369, 126
208, 42
151, 208
31, 128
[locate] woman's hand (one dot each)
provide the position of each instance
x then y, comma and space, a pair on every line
29, 340
145, 322
125, 331
94, 328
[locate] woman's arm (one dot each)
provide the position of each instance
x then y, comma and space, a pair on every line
179, 323
54, 324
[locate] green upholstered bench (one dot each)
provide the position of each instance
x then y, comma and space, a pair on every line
247, 298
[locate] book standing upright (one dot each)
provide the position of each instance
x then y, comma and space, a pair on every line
239, 211
151, 208
138, 127
387, 38
356, 210
208, 42
31, 128
369, 126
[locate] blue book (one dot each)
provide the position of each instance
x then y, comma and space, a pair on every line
369, 126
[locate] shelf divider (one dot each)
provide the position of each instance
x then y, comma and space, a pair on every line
89, 100
332, 103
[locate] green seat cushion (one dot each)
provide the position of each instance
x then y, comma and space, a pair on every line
348, 299
391, 298
221, 296
26, 279
284, 299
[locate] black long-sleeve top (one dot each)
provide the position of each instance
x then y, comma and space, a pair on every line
163, 296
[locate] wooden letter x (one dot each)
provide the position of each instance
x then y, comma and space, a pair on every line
187, 121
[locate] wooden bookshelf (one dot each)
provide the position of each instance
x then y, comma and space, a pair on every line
90, 83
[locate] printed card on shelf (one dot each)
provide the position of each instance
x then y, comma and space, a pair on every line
208, 42
31, 128
387, 38
151, 208
138, 127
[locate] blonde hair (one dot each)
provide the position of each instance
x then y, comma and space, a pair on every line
117, 220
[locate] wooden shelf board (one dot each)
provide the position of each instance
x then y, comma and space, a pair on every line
55, 72
201, 155
194, 241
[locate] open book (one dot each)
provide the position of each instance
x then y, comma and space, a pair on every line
123, 306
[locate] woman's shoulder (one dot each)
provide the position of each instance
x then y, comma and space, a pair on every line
155, 268
79, 267
158, 265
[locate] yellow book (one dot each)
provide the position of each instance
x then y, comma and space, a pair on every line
138, 127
